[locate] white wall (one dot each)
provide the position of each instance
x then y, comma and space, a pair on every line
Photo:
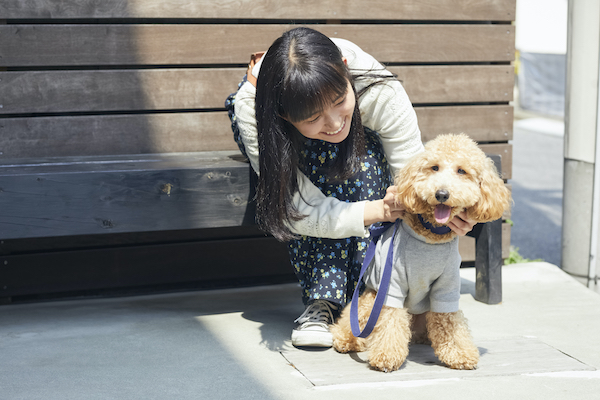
541, 26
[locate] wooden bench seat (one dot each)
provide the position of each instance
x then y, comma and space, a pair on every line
118, 170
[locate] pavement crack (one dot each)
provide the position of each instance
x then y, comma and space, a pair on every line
291, 364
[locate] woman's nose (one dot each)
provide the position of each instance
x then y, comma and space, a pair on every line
332, 121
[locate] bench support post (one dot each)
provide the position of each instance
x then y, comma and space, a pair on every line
488, 261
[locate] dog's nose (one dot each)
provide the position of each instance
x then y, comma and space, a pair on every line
442, 195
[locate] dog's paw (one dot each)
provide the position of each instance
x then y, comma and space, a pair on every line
465, 364
456, 358
341, 347
348, 346
385, 363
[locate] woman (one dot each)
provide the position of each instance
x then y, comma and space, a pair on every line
325, 128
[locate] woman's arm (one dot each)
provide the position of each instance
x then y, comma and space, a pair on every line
385, 107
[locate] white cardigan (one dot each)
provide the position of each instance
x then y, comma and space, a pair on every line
384, 108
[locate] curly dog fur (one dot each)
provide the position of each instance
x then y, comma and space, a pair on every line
450, 176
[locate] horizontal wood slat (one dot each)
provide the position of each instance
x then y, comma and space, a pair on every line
128, 194
116, 90
197, 131
482, 123
460, 10
168, 44
115, 134
179, 89
457, 83
95, 196
505, 151
133, 266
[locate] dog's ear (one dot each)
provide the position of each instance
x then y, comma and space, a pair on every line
405, 182
495, 197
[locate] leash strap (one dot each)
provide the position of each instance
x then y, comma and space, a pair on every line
383, 287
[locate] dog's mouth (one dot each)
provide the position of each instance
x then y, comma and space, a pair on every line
442, 213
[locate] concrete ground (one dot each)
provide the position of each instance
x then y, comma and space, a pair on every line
541, 342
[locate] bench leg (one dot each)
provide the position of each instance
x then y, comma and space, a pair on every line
488, 262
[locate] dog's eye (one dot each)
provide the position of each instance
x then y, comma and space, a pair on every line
461, 171
435, 168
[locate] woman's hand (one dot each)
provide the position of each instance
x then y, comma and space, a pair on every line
384, 210
461, 224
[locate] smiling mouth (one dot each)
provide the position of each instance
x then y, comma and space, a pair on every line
338, 131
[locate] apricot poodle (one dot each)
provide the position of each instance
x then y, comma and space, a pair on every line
421, 304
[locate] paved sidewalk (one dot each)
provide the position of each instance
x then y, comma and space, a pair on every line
540, 343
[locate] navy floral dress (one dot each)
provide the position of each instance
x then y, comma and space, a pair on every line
328, 269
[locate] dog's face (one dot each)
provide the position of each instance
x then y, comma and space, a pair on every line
452, 175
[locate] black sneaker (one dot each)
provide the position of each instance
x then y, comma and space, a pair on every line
313, 330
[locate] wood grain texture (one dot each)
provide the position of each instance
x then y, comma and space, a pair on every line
457, 83
115, 134
170, 44
116, 90
102, 195
97, 135
128, 194
200, 131
460, 10
504, 151
188, 88
482, 123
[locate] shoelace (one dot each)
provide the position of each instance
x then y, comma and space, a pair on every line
319, 312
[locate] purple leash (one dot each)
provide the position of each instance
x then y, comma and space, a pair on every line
383, 287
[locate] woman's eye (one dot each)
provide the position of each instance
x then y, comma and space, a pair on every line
461, 171
435, 168
341, 102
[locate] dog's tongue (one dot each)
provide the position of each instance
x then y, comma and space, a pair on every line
442, 213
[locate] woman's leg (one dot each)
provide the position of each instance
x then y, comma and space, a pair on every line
328, 269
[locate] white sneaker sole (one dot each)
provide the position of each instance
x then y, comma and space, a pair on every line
306, 338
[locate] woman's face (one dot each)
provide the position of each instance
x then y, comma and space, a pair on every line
333, 123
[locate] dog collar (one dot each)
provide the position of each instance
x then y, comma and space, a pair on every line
438, 230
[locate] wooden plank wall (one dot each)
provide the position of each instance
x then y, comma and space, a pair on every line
103, 80
130, 77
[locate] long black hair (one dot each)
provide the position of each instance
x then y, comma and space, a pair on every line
302, 73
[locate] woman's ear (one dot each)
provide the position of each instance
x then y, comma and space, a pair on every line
345, 60
495, 196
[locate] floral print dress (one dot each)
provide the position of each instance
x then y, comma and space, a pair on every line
328, 269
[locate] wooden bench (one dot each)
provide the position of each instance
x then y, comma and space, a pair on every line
118, 170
